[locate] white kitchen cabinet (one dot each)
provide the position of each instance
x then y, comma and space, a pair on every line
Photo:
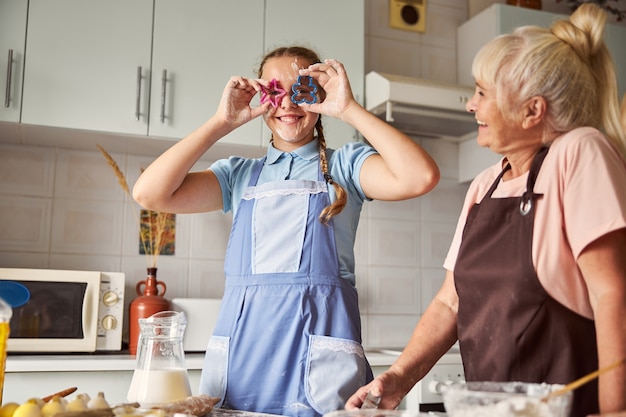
197, 46
501, 18
13, 14
88, 64
158, 68
474, 158
335, 29
100, 66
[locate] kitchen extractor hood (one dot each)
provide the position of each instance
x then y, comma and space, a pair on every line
420, 107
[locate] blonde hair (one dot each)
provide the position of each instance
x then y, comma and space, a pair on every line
623, 111
569, 65
341, 196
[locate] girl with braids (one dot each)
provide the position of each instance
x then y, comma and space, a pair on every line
288, 337
535, 286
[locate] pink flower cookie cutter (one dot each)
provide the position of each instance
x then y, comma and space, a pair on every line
304, 90
273, 93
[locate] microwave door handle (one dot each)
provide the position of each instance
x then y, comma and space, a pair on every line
90, 314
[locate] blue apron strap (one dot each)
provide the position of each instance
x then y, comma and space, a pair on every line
256, 171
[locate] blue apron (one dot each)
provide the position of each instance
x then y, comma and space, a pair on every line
288, 336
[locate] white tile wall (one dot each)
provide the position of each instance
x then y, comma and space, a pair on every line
407, 241
84, 227
430, 55
24, 223
27, 171
64, 209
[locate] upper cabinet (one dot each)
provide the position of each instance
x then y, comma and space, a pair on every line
501, 18
87, 64
158, 67
198, 46
335, 29
104, 65
12, 42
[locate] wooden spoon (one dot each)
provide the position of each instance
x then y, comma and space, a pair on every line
63, 393
582, 381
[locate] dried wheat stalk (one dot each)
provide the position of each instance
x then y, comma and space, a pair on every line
121, 179
157, 223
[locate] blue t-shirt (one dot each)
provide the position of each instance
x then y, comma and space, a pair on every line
344, 165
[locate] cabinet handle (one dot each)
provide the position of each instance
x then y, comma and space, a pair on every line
7, 95
138, 100
163, 89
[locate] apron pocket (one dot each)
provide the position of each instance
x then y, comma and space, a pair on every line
336, 368
215, 369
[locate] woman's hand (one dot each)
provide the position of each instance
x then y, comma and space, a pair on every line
386, 386
234, 108
331, 76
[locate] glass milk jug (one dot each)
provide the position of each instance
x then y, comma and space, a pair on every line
160, 373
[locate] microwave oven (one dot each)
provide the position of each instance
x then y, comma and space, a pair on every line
66, 311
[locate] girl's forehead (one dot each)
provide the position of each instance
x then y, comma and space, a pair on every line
283, 68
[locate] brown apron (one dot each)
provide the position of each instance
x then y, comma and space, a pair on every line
509, 328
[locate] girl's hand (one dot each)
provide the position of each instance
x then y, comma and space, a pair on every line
331, 76
234, 107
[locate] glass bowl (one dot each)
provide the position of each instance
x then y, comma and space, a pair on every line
505, 399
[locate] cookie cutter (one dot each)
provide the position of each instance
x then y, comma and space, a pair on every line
304, 90
273, 93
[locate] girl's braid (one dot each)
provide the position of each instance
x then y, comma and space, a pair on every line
340, 202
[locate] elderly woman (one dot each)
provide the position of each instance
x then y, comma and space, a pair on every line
535, 287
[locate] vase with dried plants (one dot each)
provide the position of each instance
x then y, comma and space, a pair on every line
153, 229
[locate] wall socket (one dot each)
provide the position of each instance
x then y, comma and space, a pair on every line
408, 15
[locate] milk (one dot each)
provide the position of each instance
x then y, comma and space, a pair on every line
155, 386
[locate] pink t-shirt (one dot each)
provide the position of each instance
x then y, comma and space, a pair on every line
583, 182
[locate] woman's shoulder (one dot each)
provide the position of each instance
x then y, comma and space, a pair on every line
580, 137
582, 157
584, 144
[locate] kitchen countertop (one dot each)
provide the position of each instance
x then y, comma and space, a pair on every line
123, 361
37, 375
221, 412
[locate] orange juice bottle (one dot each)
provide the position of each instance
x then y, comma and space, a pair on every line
5, 318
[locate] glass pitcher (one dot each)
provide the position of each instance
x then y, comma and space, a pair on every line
160, 373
